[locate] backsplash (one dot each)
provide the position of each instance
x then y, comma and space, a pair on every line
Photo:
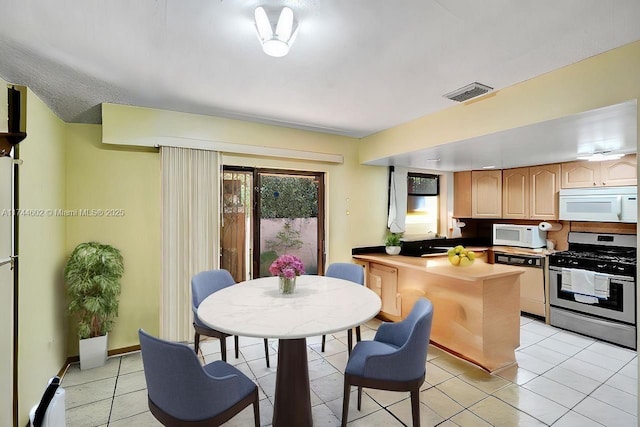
483, 228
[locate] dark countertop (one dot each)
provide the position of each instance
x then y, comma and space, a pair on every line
421, 247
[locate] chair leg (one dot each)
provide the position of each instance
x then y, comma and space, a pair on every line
324, 338
415, 406
358, 335
266, 352
256, 410
349, 341
359, 397
223, 348
235, 343
345, 402
196, 341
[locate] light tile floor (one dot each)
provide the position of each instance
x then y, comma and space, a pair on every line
562, 379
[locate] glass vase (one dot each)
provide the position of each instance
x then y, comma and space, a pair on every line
287, 286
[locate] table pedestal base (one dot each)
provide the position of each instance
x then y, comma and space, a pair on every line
292, 404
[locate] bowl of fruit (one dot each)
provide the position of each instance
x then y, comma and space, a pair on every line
459, 256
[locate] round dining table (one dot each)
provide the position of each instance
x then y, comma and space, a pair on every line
320, 305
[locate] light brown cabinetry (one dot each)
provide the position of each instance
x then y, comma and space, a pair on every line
610, 173
383, 280
477, 309
531, 193
545, 184
532, 295
515, 193
486, 194
462, 194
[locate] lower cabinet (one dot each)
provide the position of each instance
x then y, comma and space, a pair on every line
532, 294
383, 280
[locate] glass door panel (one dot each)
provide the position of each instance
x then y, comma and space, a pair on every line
235, 235
289, 219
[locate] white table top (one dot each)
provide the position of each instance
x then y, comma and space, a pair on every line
320, 305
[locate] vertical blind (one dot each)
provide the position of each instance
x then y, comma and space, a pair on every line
190, 240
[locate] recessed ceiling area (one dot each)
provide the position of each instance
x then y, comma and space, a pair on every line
357, 67
609, 129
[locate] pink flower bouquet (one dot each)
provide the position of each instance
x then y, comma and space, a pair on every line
288, 266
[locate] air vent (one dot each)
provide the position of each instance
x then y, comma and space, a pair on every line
469, 91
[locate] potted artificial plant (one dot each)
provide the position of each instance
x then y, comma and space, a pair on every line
93, 274
392, 243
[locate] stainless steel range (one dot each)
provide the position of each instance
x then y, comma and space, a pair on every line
592, 287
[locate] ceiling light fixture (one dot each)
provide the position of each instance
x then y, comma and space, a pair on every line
276, 43
600, 156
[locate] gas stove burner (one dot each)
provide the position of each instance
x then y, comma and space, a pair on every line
608, 253
625, 258
601, 262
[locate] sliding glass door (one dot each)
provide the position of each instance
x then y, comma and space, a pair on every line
268, 213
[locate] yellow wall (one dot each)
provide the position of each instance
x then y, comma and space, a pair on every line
350, 186
106, 177
599, 81
41, 302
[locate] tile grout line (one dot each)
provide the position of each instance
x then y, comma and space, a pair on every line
113, 396
603, 382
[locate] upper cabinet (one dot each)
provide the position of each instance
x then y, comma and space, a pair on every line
462, 194
610, 173
619, 172
545, 186
477, 194
486, 194
515, 193
531, 193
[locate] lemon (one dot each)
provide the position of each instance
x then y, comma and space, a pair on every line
465, 261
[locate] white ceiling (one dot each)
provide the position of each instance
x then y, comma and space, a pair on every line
357, 66
609, 129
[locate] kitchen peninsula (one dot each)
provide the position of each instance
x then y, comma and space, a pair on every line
476, 308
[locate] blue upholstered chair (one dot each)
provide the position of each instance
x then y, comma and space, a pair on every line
395, 360
202, 285
182, 392
353, 273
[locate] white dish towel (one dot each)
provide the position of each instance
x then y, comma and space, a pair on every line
583, 282
602, 285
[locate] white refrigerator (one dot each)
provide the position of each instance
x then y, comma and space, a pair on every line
6, 288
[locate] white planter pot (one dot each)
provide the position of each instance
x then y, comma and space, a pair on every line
392, 250
93, 352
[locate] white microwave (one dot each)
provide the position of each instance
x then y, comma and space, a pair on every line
524, 236
605, 204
